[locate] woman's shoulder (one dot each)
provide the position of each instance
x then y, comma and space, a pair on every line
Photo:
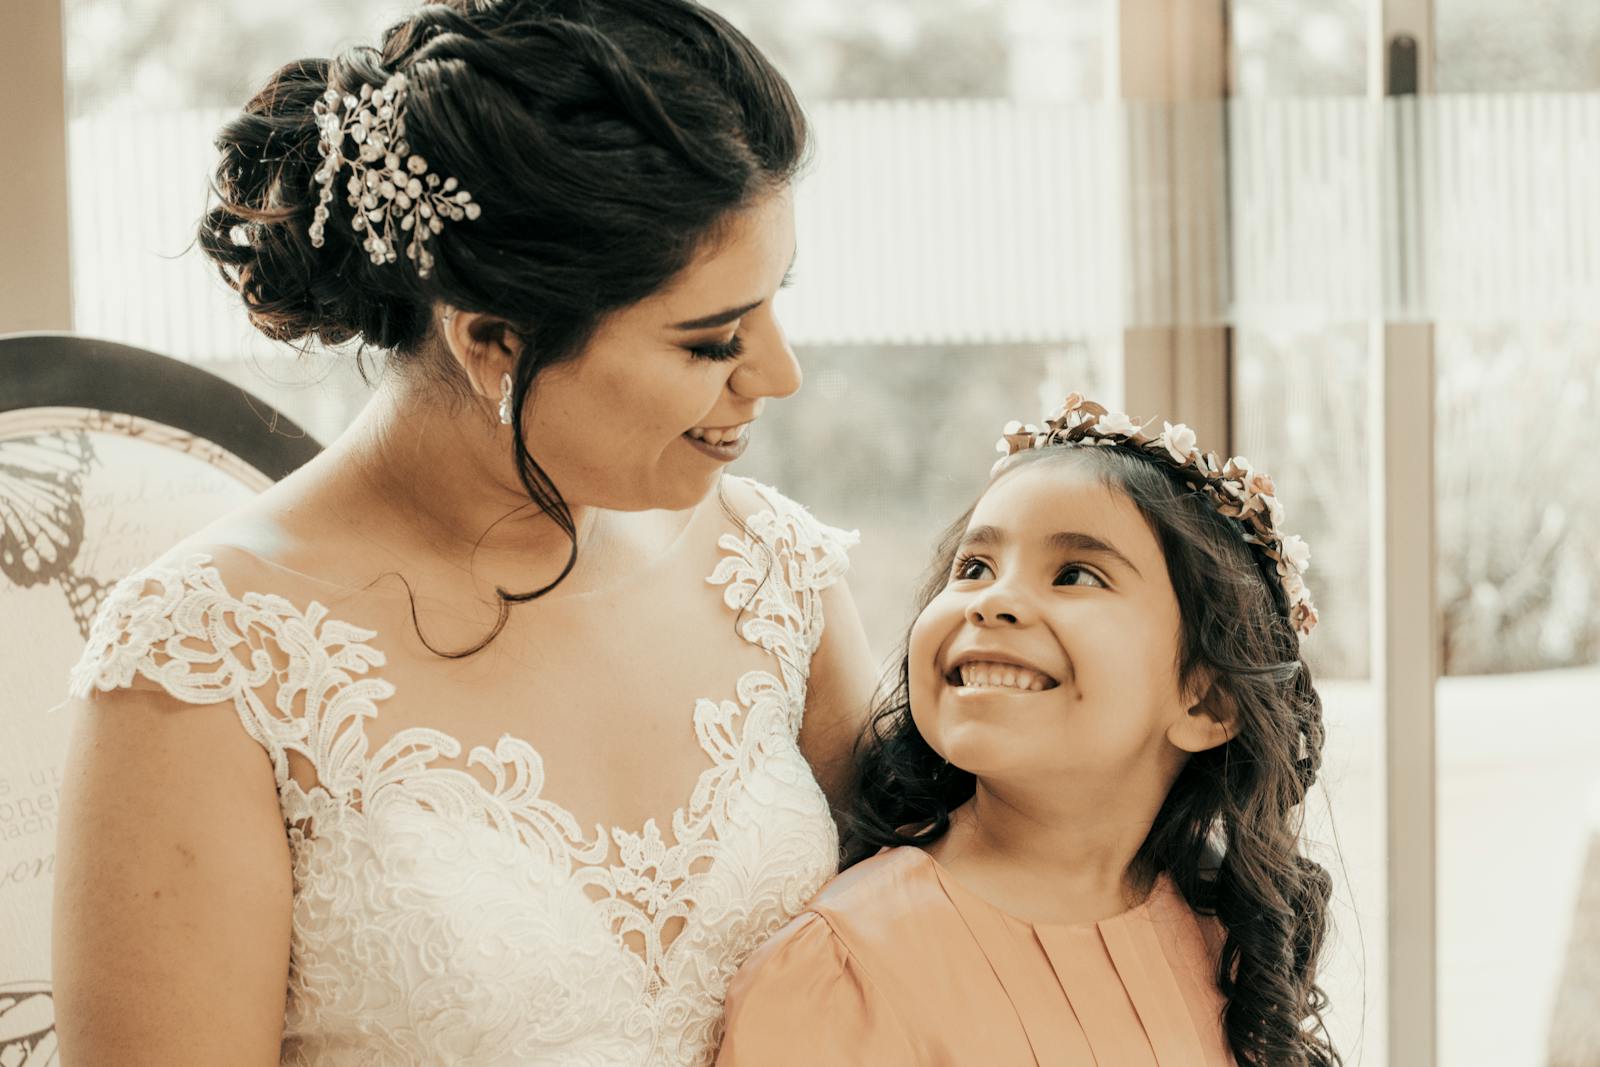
206, 619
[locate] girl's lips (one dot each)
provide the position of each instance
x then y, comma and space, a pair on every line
988, 675
995, 659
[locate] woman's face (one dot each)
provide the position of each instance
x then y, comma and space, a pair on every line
668, 391
1053, 648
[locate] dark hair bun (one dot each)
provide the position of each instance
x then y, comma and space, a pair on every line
258, 234
603, 139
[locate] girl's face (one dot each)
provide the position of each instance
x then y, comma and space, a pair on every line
664, 395
1053, 648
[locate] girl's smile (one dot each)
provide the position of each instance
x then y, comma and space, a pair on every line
1059, 605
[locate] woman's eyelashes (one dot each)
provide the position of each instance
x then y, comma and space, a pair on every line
732, 348
975, 568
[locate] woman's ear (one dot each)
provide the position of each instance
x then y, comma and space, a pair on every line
1210, 721
484, 346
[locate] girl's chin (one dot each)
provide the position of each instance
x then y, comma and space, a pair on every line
987, 750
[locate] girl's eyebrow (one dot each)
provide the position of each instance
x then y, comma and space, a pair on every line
1063, 541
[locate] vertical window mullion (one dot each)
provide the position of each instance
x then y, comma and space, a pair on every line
1406, 636
35, 280
1168, 79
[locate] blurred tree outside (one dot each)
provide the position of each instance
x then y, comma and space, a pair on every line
1518, 498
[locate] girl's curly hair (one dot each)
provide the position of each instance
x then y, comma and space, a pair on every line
1228, 832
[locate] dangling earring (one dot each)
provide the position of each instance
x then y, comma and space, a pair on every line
505, 399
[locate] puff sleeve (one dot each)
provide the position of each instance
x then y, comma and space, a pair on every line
802, 998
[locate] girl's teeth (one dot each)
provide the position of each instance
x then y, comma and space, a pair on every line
1001, 676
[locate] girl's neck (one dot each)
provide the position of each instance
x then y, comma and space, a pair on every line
1052, 855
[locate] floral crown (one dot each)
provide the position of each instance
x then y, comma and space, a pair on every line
1237, 489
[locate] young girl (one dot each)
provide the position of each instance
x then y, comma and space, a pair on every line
1075, 824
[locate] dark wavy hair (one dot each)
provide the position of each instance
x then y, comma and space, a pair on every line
1227, 833
607, 141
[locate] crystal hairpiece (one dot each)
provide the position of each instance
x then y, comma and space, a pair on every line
1235, 488
389, 186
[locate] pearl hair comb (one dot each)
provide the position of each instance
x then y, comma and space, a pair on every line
391, 189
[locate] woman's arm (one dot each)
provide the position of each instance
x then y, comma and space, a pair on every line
838, 694
173, 888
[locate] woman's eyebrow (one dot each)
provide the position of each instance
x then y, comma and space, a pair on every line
722, 318
1063, 541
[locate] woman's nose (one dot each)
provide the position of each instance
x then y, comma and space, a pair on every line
769, 367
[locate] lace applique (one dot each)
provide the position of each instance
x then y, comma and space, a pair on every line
458, 915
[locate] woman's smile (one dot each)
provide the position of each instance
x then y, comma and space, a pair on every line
723, 444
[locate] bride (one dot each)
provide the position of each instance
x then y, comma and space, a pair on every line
503, 731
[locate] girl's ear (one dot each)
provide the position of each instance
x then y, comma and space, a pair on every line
1210, 721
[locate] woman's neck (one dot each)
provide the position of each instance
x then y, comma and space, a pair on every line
435, 487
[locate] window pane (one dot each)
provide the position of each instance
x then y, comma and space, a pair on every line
1303, 256
932, 49
1519, 785
1292, 48
1529, 46
1301, 413
1518, 352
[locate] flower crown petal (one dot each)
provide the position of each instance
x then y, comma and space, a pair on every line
1235, 488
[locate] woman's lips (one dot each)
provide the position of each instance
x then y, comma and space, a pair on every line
726, 451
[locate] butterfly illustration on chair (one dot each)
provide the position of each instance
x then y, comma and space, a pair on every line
27, 1025
41, 517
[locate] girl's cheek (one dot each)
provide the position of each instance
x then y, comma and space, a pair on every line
926, 631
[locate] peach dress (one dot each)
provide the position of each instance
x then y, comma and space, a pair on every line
895, 962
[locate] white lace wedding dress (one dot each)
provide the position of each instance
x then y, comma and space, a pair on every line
446, 910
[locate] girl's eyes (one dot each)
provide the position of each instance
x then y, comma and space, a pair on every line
971, 568
1081, 573
967, 568
717, 353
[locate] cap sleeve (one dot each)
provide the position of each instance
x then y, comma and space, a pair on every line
803, 999
781, 539
176, 628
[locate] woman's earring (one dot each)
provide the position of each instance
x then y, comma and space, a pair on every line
505, 399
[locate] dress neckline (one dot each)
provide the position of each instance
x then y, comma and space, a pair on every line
963, 897
387, 582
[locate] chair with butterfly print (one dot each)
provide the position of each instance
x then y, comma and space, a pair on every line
108, 455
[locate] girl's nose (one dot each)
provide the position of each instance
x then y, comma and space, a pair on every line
995, 606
